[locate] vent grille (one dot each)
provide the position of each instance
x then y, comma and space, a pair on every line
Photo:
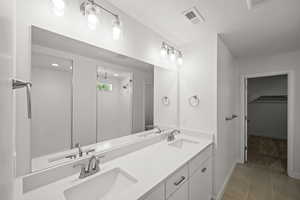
193, 15
254, 3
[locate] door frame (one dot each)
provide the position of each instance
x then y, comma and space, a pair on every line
290, 114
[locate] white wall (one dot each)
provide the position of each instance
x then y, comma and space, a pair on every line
165, 85
198, 76
226, 154
7, 11
51, 105
278, 63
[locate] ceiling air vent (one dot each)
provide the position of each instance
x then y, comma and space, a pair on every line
254, 3
193, 15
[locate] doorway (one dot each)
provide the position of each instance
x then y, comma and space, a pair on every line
267, 107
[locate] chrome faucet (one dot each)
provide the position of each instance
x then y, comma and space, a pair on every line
80, 152
158, 129
171, 135
92, 168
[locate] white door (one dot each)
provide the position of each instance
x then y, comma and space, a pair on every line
200, 183
227, 134
181, 193
6, 100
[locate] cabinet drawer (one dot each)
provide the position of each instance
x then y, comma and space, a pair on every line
176, 180
199, 159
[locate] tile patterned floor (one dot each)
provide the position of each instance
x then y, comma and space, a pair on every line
252, 182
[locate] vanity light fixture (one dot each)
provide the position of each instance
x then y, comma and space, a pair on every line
173, 53
164, 50
58, 7
116, 30
91, 10
180, 58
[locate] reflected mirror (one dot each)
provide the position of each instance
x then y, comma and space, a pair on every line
82, 95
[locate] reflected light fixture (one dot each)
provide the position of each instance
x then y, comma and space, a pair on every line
58, 7
54, 65
173, 54
116, 30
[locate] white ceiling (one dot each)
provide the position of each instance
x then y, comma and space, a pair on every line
271, 27
46, 62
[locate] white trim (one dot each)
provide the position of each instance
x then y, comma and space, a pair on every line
294, 174
222, 190
291, 99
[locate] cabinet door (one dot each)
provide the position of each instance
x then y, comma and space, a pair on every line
200, 187
157, 194
181, 194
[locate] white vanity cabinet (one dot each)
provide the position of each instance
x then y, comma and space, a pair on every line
200, 185
200, 176
193, 181
158, 193
181, 194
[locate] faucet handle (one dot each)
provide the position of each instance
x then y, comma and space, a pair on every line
83, 170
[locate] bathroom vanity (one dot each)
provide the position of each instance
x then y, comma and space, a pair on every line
175, 170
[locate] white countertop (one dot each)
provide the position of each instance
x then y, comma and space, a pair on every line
150, 166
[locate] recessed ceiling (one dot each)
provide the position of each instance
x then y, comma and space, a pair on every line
271, 26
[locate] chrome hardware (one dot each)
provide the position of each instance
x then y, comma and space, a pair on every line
77, 145
17, 84
89, 151
171, 136
182, 178
83, 170
158, 129
72, 156
231, 118
92, 167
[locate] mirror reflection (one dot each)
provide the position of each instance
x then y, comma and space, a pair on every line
82, 95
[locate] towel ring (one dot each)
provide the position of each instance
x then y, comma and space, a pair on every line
194, 100
165, 101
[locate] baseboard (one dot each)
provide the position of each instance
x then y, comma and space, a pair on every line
294, 174
222, 190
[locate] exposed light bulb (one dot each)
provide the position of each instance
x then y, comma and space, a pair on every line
116, 29
92, 21
58, 7
163, 50
172, 55
180, 58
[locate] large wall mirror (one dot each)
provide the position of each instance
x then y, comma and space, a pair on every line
82, 95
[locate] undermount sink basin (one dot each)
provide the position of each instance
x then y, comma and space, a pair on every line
182, 143
101, 187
